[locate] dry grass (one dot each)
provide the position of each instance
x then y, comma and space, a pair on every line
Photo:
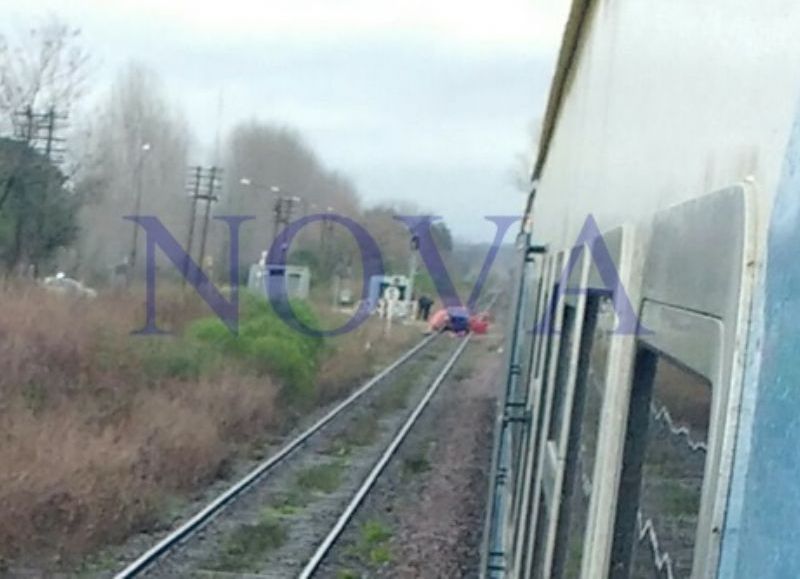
98, 429
359, 354
101, 429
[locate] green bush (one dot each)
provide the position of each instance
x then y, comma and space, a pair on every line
268, 345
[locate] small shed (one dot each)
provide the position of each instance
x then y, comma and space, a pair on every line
298, 279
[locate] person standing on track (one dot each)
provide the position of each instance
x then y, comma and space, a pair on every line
424, 307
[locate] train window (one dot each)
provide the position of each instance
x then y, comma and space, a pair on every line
532, 315
562, 371
664, 465
589, 397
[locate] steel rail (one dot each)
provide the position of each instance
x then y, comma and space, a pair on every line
316, 559
218, 504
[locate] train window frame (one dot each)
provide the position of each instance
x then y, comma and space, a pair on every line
562, 361
519, 436
692, 291
619, 245
538, 369
551, 318
624, 250
678, 335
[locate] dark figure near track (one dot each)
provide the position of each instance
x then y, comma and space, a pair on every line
424, 304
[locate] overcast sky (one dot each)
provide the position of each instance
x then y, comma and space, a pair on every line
427, 101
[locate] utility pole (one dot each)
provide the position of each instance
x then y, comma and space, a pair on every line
212, 188
137, 207
40, 131
324, 239
195, 179
412, 272
276, 204
51, 126
284, 206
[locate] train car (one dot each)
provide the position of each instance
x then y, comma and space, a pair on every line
651, 420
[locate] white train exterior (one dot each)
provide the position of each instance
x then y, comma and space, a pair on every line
673, 451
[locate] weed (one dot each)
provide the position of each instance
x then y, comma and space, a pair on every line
362, 431
324, 478
243, 549
380, 555
338, 447
347, 574
286, 510
373, 544
293, 500
396, 396
375, 532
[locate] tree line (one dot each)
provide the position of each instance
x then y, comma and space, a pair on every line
72, 166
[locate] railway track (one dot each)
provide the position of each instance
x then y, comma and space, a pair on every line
183, 550
361, 493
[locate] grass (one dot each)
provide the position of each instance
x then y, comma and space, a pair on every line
101, 428
100, 563
286, 509
249, 544
321, 478
362, 431
373, 548
395, 397
293, 501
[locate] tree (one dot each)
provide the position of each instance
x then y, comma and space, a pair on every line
137, 144
40, 214
43, 70
261, 157
45, 67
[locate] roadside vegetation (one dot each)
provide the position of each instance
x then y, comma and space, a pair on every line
104, 431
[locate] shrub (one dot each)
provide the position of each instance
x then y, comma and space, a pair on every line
268, 346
